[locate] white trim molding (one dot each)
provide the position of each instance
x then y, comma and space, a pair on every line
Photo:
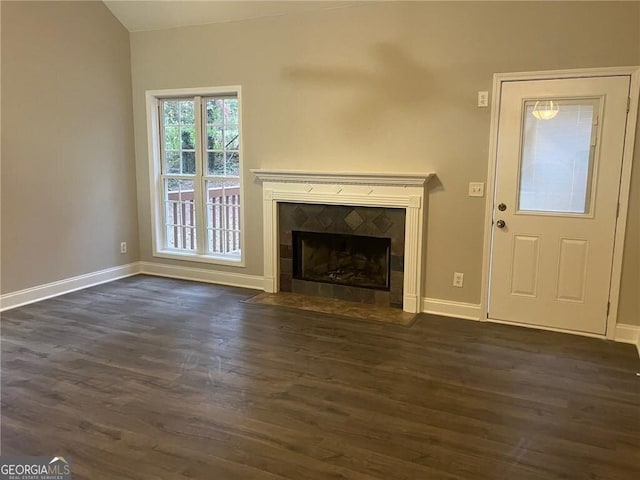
358, 189
628, 334
352, 178
633, 72
202, 275
67, 285
447, 308
199, 178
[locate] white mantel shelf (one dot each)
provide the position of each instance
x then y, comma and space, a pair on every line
391, 190
343, 178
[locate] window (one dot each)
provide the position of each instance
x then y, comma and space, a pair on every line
556, 165
196, 172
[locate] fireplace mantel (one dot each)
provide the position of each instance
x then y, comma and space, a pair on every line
391, 190
351, 178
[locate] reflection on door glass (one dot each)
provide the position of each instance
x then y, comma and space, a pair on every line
557, 160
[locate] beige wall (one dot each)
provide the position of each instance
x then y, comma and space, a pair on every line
629, 306
68, 173
384, 87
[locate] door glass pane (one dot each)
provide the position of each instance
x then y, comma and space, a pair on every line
557, 155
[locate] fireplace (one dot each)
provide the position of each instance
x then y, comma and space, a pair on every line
346, 252
389, 205
342, 259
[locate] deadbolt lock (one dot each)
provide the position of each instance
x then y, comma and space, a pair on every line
502, 207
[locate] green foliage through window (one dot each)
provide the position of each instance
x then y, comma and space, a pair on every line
213, 189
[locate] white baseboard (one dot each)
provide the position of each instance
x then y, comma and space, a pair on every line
446, 308
203, 275
469, 311
628, 334
68, 285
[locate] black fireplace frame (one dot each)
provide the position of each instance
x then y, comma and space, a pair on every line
348, 245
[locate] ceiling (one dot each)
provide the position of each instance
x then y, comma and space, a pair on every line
158, 14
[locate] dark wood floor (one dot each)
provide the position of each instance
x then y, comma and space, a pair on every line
150, 378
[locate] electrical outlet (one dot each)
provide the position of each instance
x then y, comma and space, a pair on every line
476, 189
123, 247
458, 279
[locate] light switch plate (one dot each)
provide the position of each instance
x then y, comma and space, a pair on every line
476, 189
483, 99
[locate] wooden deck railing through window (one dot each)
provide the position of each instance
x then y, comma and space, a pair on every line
223, 220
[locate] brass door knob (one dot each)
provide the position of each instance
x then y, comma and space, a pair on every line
500, 224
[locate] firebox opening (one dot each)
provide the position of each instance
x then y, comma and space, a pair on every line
353, 260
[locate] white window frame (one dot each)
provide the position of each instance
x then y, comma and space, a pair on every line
153, 98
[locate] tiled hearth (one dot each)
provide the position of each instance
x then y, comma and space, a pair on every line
342, 219
350, 203
332, 306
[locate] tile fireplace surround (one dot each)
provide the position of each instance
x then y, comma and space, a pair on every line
370, 222
383, 190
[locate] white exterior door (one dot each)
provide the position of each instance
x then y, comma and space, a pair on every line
558, 169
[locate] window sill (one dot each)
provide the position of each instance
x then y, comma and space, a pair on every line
195, 257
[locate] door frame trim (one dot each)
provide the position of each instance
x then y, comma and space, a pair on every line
625, 180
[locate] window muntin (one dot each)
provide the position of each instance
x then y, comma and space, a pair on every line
198, 144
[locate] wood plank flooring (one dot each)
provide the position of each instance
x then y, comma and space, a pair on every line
152, 378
